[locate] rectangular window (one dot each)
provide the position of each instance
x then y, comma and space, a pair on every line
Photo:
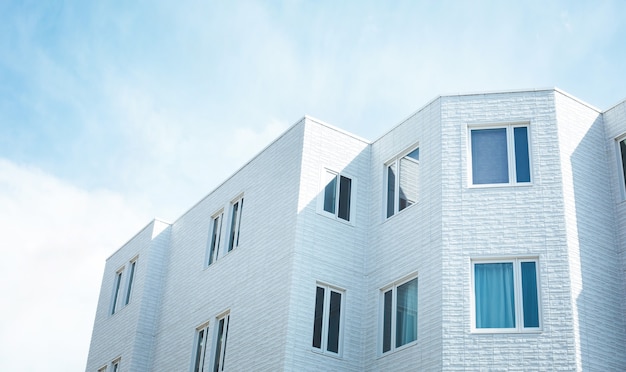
500, 155
216, 234
402, 181
200, 348
622, 157
116, 291
327, 319
115, 366
399, 315
337, 195
220, 343
505, 295
235, 224
131, 278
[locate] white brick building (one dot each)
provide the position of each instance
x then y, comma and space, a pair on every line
485, 232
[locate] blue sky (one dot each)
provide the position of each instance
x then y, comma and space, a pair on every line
114, 112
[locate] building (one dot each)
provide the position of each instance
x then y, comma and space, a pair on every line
484, 232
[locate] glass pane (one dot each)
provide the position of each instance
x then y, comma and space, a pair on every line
215, 238
415, 154
495, 297
333, 322
387, 321
490, 162
391, 189
233, 227
345, 186
406, 313
116, 291
408, 183
622, 146
130, 282
239, 221
330, 192
522, 160
529, 295
199, 352
317, 322
220, 347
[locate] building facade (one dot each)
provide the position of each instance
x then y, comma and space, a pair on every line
484, 232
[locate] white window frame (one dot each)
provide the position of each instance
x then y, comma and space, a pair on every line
115, 365
130, 280
325, 319
215, 240
219, 355
103, 368
324, 180
234, 228
118, 290
519, 305
396, 161
202, 357
621, 167
509, 126
381, 326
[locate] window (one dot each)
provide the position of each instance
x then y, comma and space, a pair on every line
235, 224
115, 366
500, 155
220, 343
116, 290
200, 348
505, 295
622, 153
214, 244
399, 315
402, 177
327, 319
337, 195
131, 277
102, 369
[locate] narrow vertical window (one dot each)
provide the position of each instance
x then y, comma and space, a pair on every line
622, 151
506, 295
500, 155
399, 315
116, 365
116, 291
402, 182
216, 233
131, 278
235, 224
327, 319
337, 195
318, 320
220, 344
200, 348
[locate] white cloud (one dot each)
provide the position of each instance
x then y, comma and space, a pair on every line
55, 240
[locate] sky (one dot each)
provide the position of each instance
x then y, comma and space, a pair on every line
113, 113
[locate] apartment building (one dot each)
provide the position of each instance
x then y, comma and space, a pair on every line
485, 232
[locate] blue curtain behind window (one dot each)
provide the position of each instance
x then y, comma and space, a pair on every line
495, 297
406, 313
490, 163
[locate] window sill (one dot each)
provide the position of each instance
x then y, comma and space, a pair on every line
505, 331
499, 185
401, 212
398, 349
335, 218
328, 353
